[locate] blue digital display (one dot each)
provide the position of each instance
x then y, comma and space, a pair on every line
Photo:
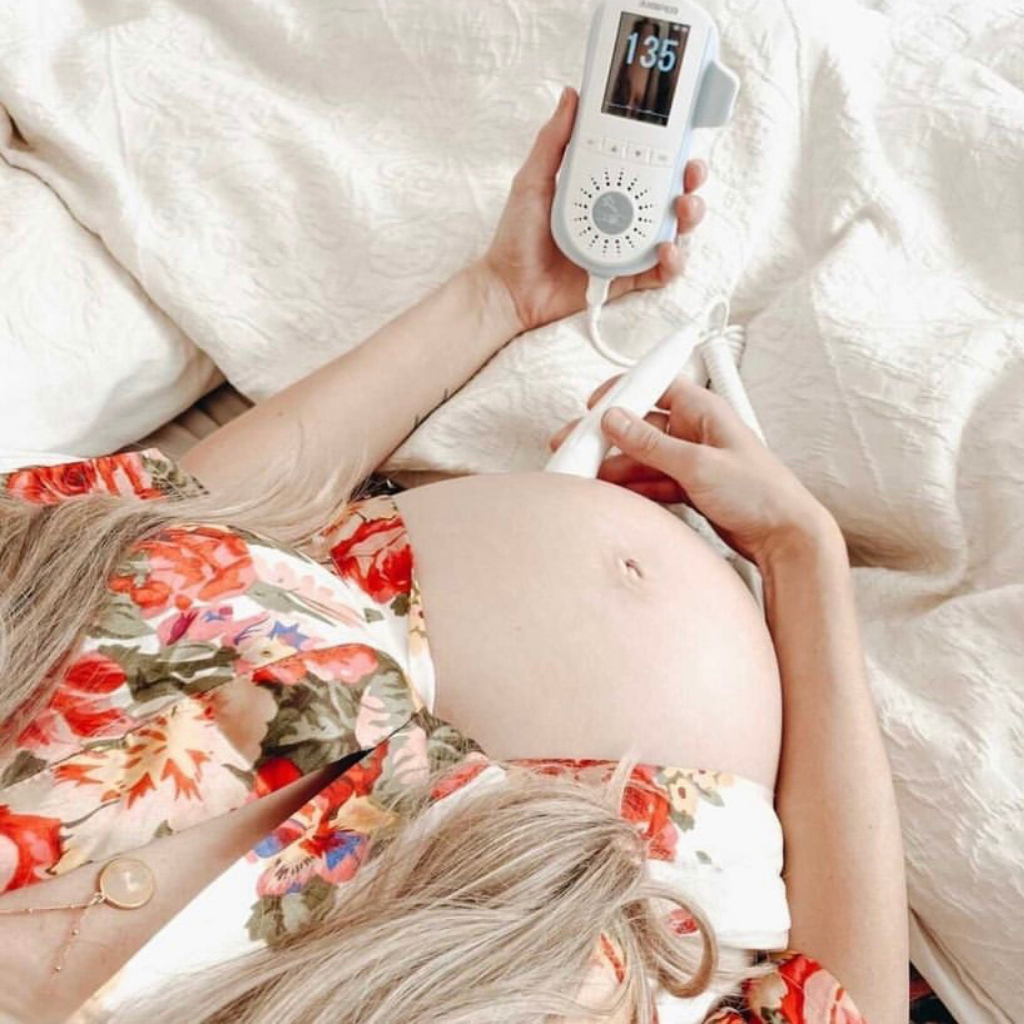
644, 69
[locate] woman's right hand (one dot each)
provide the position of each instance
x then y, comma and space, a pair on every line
695, 449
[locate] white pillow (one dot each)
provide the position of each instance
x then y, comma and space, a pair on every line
87, 363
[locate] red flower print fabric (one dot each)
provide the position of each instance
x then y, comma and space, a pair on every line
220, 667
182, 566
373, 550
216, 669
146, 474
80, 708
28, 844
799, 991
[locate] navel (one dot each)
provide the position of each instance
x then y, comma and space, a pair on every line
631, 567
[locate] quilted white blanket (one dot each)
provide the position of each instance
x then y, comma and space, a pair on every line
280, 177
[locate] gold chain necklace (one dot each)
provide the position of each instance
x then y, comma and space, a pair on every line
125, 883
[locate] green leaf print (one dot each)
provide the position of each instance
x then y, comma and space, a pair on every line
24, 766
169, 477
248, 779
134, 563
400, 604
314, 723
393, 784
711, 795
266, 922
262, 540
316, 718
189, 667
445, 744
372, 615
317, 895
683, 820
119, 619
277, 599
390, 686
312, 755
273, 918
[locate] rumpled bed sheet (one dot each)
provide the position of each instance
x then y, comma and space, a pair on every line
280, 178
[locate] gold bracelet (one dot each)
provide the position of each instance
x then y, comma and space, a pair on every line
125, 883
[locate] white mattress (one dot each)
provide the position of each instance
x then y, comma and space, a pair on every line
281, 178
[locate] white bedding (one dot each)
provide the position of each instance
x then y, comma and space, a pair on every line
87, 363
282, 177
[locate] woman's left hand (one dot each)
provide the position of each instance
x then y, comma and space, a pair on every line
542, 283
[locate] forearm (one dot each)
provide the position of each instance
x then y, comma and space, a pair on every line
355, 410
844, 854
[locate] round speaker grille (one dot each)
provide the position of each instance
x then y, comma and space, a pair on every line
611, 214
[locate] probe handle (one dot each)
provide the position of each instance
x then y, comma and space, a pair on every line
583, 451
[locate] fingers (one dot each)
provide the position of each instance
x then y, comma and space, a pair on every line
544, 159
694, 175
657, 419
695, 413
624, 469
671, 263
646, 443
699, 415
690, 210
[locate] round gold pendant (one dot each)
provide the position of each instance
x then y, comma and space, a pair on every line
127, 883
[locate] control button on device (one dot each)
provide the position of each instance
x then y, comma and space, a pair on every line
661, 158
614, 147
592, 141
612, 212
638, 154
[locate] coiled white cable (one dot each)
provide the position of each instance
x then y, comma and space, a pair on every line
721, 351
721, 348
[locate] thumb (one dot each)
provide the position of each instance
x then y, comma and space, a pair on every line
637, 438
549, 146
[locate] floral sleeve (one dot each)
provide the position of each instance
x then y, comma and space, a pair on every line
798, 991
145, 474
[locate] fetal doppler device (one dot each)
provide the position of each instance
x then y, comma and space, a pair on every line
651, 76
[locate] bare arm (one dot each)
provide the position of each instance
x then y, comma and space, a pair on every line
357, 409
844, 853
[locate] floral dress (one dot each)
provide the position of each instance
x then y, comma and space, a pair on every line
220, 666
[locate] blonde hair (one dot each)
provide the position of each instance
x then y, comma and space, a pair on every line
56, 559
490, 912
485, 908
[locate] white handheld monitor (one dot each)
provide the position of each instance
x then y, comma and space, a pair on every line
651, 75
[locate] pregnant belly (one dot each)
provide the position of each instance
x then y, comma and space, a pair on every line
571, 618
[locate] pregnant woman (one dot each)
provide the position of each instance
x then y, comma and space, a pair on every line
513, 748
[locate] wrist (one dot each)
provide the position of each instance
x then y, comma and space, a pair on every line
497, 308
815, 537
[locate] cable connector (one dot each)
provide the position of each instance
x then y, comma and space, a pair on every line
597, 295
